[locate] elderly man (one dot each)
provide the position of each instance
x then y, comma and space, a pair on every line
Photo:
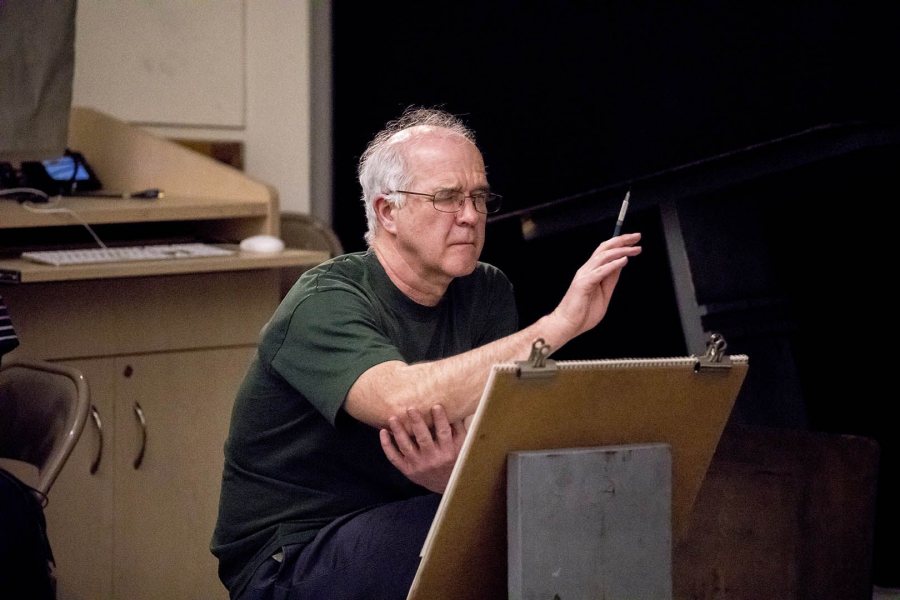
353, 409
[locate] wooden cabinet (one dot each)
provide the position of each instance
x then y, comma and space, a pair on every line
80, 505
173, 338
132, 513
137, 532
170, 351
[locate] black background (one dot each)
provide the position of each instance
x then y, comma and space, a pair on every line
567, 97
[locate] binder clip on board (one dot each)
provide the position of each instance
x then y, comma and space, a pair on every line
715, 357
537, 365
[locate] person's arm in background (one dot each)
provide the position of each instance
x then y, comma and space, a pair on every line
8, 338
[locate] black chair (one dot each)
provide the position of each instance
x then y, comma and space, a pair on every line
307, 233
43, 409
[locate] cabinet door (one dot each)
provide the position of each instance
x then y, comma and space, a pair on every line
80, 504
166, 506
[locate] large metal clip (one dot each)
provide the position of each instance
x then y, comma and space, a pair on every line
715, 357
537, 365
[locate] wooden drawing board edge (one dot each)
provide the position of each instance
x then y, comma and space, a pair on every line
584, 404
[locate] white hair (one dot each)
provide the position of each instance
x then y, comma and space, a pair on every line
383, 166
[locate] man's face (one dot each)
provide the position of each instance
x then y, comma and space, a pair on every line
440, 246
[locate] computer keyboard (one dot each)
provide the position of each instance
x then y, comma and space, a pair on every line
125, 254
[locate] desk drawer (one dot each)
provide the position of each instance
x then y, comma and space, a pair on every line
107, 317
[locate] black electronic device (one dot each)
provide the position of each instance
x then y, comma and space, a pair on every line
9, 176
66, 175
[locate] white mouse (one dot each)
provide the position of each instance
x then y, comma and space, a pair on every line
262, 244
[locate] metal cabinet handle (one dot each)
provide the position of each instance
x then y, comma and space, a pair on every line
139, 412
95, 415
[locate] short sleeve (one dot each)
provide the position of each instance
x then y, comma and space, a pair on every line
331, 338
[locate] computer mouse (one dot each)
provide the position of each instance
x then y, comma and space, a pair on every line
262, 244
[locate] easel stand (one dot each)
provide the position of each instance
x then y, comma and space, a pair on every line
680, 402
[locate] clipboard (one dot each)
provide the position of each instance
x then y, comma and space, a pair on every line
541, 404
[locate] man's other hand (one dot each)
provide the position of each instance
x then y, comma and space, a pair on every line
425, 457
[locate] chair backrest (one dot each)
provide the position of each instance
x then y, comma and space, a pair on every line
304, 231
43, 409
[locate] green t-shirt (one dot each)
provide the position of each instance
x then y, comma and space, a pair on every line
294, 461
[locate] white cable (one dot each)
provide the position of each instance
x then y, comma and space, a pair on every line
52, 207
24, 190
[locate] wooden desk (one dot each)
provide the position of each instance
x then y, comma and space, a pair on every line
17, 270
163, 341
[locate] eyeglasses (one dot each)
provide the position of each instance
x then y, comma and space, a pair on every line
451, 201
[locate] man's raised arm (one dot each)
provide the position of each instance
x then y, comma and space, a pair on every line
456, 383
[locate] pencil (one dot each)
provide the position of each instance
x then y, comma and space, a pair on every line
621, 219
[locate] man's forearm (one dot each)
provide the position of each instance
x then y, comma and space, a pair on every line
456, 382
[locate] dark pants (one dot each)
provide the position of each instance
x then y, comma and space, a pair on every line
372, 555
25, 557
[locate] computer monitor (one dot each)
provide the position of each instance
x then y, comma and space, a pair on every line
37, 63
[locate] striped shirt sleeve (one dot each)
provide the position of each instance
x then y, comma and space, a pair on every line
8, 339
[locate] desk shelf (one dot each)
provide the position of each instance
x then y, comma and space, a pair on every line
18, 270
120, 210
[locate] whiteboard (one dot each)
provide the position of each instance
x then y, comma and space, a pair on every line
166, 62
